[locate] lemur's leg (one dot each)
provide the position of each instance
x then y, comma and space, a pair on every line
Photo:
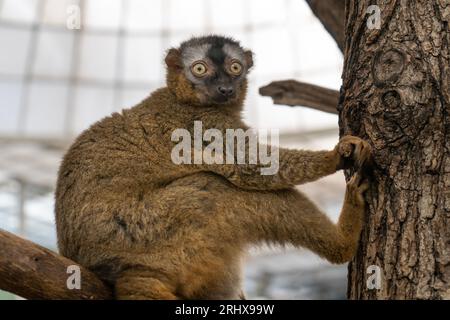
217, 219
139, 286
289, 217
196, 255
297, 166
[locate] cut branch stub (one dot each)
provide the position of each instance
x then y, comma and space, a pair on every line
295, 93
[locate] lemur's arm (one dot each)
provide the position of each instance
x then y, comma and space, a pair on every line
296, 166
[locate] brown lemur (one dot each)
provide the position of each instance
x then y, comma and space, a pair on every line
154, 229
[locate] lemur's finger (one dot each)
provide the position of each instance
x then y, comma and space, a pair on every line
356, 178
365, 155
351, 183
364, 186
346, 149
357, 154
361, 190
361, 154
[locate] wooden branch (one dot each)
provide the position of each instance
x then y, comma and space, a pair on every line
34, 272
295, 93
332, 15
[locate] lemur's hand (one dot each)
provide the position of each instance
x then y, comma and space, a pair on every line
353, 151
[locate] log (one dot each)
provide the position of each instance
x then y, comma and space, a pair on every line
34, 272
332, 15
295, 93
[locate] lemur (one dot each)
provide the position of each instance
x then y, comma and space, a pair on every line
154, 229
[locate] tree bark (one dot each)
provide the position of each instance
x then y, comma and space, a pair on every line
396, 94
34, 272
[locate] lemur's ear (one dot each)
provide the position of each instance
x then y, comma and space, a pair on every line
249, 58
173, 59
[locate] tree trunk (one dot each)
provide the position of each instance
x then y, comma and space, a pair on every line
395, 94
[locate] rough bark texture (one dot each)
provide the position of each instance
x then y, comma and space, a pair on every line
332, 15
396, 94
295, 93
33, 272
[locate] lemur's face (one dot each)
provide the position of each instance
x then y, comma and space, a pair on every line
216, 67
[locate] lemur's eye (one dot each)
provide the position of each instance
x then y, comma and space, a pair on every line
199, 69
236, 68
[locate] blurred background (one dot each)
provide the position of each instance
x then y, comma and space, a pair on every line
56, 79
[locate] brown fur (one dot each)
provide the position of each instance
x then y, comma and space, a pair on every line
157, 230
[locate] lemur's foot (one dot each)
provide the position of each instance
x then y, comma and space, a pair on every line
354, 194
352, 216
354, 151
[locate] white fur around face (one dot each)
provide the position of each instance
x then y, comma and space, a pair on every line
192, 54
200, 52
234, 52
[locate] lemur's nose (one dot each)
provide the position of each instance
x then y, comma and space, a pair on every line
225, 90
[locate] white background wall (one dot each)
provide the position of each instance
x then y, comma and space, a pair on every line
54, 81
